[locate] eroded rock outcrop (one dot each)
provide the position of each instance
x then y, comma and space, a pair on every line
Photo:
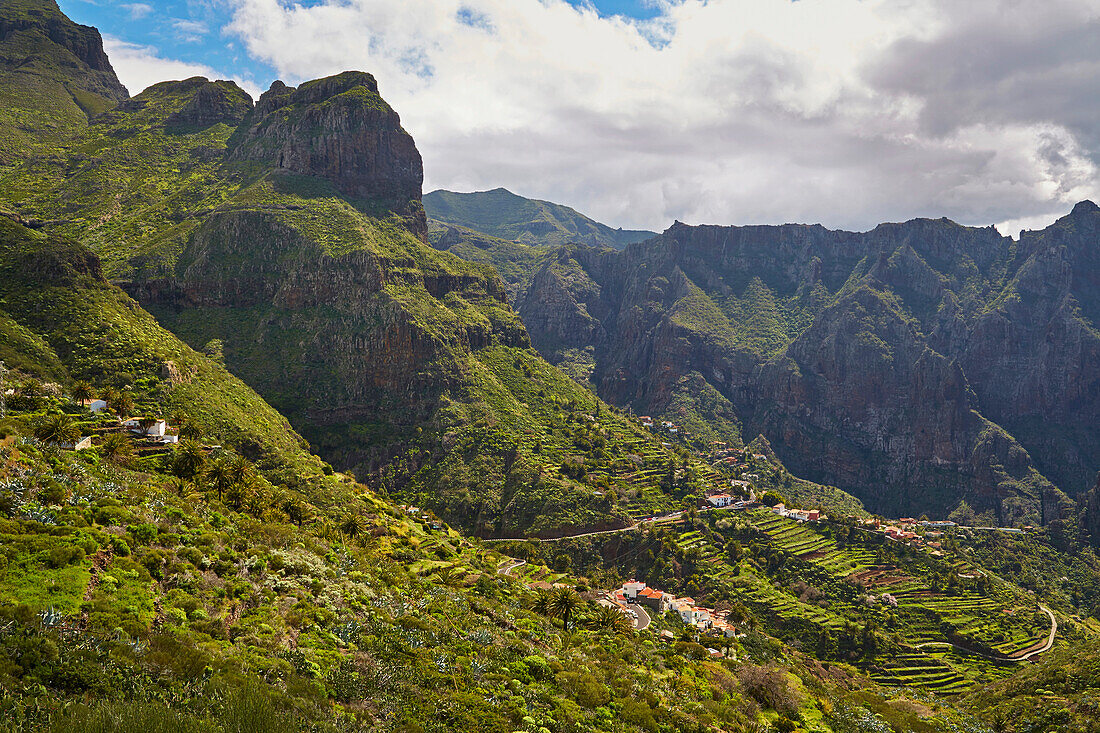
915, 365
339, 129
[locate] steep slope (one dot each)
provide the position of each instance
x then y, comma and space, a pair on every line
74, 325
502, 214
289, 236
856, 354
54, 77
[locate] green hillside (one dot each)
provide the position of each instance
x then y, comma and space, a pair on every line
54, 77
502, 214
236, 583
382, 351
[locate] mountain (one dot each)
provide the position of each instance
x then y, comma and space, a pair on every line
54, 77
504, 215
288, 235
918, 365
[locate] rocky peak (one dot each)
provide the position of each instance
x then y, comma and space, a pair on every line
36, 36
340, 129
1083, 208
276, 96
213, 102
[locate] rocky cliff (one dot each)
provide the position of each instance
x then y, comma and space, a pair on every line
340, 130
287, 237
54, 77
916, 365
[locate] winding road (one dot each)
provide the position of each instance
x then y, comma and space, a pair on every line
641, 623
507, 569
1046, 647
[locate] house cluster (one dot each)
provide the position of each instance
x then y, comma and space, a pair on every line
703, 619
799, 515
666, 425
722, 455
905, 530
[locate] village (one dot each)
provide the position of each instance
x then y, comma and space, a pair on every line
636, 593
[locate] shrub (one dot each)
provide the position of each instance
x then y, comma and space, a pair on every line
143, 534
64, 556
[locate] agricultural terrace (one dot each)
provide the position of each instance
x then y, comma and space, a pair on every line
907, 616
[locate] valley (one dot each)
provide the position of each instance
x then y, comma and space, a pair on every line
286, 445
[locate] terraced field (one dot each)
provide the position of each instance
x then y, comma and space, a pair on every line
998, 618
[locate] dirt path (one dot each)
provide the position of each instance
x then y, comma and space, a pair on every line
100, 560
1050, 638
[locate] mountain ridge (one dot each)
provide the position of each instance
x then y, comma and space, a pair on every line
505, 215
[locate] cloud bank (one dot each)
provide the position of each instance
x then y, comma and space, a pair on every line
844, 112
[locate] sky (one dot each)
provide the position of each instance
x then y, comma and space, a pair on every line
641, 112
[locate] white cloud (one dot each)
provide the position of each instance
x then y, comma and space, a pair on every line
138, 10
190, 31
846, 112
139, 67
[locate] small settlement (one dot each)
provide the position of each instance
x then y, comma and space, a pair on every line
705, 620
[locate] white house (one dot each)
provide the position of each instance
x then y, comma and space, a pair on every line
631, 589
156, 430
720, 500
95, 405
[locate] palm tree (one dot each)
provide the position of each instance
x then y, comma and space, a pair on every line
351, 526
610, 620
124, 404
563, 603
81, 391
189, 430
117, 448
188, 461
541, 602
110, 396
57, 429
448, 575
220, 476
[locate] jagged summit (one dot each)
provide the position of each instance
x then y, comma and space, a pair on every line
340, 129
1085, 207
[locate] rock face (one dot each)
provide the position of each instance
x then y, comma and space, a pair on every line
341, 130
35, 35
916, 365
214, 102
54, 78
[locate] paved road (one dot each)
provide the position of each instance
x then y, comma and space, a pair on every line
507, 569
1044, 648
1050, 639
642, 622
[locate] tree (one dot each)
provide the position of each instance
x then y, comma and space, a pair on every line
189, 430
610, 620
117, 448
351, 527
564, 602
145, 422
123, 404
541, 602
57, 429
771, 498
220, 476
81, 391
188, 461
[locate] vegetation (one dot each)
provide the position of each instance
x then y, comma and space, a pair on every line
504, 215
